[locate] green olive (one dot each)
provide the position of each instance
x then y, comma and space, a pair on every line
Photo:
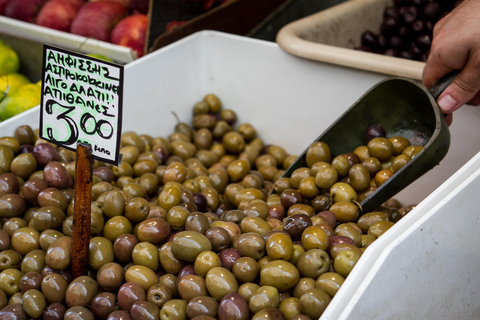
380, 148
205, 261
100, 252
219, 282
330, 282
345, 261
187, 245
142, 275
279, 274
342, 191
264, 297
317, 151
314, 302
34, 303
313, 263
146, 254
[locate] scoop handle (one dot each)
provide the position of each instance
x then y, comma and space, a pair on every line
441, 84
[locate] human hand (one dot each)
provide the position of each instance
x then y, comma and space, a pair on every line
456, 46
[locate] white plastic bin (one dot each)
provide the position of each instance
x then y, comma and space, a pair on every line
65, 40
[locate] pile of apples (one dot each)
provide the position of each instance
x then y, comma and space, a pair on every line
121, 22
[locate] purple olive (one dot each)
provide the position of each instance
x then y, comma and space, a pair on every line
374, 131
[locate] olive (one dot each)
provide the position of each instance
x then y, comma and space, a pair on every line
345, 261
58, 255
30, 280
378, 228
251, 244
303, 285
110, 276
12, 205
168, 261
254, 224
202, 306
78, 312
103, 304
295, 224
191, 286
264, 297
9, 259
81, 291
56, 175
219, 282
279, 246
4, 240
154, 230
113, 203
205, 261
13, 311
10, 281
174, 309
269, 313
228, 257
247, 131
330, 282
313, 302
144, 310
24, 165
34, 303
246, 269
282, 275
54, 311
119, 315
317, 151
142, 275
25, 240
128, 293
290, 307
314, 237
123, 246
54, 286
313, 263
33, 261
146, 254
6, 157
348, 230
187, 245
53, 197
219, 237
341, 165
159, 294
48, 217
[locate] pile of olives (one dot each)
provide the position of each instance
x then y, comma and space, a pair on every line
407, 28
187, 226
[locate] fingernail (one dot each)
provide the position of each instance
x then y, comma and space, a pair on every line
447, 103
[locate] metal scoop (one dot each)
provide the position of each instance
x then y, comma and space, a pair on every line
403, 108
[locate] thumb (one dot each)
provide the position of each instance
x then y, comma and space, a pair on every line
463, 88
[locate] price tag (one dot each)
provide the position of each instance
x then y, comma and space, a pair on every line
81, 102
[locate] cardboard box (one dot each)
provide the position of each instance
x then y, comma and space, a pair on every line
332, 34
291, 101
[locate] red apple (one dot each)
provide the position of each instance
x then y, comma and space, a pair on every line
126, 3
3, 3
24, 10
140, 6
97, 19
131, 32
57, 14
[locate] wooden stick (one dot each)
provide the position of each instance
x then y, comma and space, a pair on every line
82, 209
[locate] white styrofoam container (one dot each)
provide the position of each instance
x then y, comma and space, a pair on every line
65, 40
290, 101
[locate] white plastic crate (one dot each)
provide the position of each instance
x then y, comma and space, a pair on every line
290, 101
65, 40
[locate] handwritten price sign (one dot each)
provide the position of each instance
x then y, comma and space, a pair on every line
81, 102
